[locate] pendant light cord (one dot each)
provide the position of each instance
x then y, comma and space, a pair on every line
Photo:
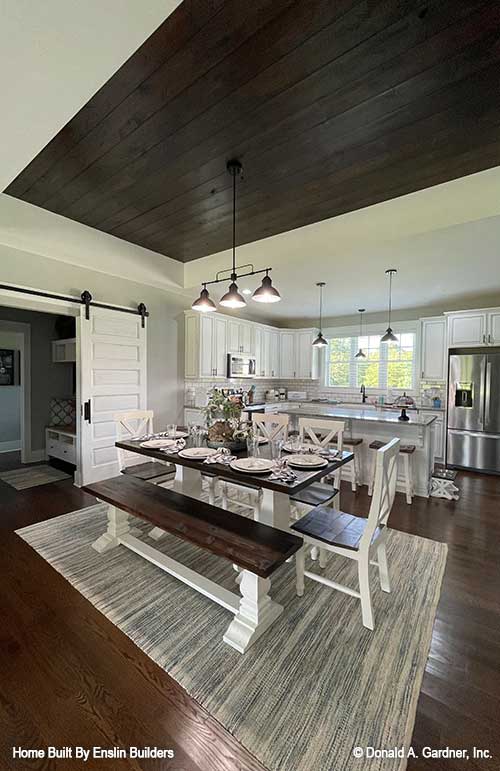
234, 224
321, 309
390, 297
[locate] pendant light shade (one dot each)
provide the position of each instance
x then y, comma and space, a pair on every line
204, 304
389, 336
320, 341
360, 354
266, 293
232, 298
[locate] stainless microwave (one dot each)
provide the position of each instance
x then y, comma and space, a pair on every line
240, 366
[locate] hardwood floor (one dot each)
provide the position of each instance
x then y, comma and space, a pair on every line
69, 677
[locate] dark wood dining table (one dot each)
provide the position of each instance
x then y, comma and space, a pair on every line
274, 509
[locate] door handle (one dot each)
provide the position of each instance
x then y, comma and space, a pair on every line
488, 393
484, 339
489, 339
87, 413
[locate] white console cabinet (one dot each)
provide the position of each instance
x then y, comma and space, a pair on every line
61, 443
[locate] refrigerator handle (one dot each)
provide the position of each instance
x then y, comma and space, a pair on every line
488, 393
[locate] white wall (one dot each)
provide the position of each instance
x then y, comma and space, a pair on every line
165, 371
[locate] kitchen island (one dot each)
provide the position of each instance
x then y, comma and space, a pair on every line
370, 423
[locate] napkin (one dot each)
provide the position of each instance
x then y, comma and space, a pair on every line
175, 448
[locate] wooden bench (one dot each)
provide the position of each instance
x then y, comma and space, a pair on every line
257, 548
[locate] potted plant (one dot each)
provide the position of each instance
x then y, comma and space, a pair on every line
224, 425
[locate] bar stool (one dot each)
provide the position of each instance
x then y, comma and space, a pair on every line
353, 470
406, 451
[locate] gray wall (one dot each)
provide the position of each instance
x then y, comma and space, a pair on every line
47, 379
10, 414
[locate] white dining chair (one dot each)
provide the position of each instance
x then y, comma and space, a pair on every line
132, 425
270, 426
357, 538
323, 432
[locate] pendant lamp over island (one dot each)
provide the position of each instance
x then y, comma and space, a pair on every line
265, 293
320, 341
360, 354
389, 336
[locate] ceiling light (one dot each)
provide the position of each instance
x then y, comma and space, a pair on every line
389, 336
204, 303
232, 298
360, 354
320, 341
266, 293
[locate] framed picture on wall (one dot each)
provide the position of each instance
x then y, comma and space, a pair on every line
9, 367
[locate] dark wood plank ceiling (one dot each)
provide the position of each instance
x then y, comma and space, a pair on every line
331, 105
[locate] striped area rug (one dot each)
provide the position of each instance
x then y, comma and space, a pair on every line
32, 476
315, 686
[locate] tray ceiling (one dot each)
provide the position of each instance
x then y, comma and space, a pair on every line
331, 106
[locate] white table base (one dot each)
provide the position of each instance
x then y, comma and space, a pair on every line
254, 609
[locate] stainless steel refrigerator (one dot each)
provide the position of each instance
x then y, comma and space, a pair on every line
473, 437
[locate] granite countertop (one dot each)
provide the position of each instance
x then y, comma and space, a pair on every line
367, 414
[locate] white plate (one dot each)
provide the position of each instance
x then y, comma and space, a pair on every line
288, 447
180, 435
307, 461
252, 465
197, 453
157, 444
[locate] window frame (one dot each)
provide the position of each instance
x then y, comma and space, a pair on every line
368, 331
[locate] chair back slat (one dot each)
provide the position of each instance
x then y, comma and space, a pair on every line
129, 425
384, 489
271, 426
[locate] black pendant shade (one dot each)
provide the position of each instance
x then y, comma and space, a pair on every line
204, 304
320, 341
360, 354
389, 336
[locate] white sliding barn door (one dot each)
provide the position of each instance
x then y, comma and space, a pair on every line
113, 379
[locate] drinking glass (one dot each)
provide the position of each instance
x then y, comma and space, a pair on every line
171, 430
275, 447
253, 449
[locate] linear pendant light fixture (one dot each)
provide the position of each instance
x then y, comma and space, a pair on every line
266, 293
389, 336
320, 341
360, 354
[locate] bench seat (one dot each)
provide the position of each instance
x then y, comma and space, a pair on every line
256, 547
148, 471
315, 495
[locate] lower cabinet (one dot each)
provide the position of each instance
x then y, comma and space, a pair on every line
60, 444
439, 425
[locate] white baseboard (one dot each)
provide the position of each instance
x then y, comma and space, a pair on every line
10, 446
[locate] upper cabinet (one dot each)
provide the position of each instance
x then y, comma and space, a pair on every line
474, 328
240, 337
205, 346
279, 353
433, 345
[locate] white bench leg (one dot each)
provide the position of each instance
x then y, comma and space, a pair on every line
118, 525
256, 613
364, 589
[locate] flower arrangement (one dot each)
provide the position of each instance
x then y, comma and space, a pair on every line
224, 424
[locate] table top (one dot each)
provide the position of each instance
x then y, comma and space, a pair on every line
304, 478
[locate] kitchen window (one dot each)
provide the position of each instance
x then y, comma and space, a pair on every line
387, 365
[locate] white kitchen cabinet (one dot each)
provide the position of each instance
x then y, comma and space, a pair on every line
272, 353
64, 350
433, 348
307, 355
240, 337
205, 346
439, 428
474, 328
467, 329
260, 352
288, 357
493, 334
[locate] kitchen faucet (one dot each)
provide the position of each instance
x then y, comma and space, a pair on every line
362, 390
